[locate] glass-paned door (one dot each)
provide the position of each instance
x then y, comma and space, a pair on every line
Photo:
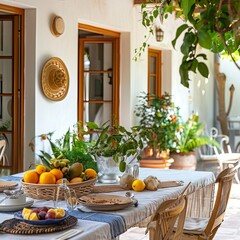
9, 94
97, 82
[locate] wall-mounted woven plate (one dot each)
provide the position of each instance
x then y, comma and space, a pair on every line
55, 79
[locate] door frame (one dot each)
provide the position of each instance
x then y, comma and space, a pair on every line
116, 72
18, 124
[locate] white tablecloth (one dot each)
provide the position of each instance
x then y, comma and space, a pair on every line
201, 194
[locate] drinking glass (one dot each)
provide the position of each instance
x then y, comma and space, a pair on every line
133, 169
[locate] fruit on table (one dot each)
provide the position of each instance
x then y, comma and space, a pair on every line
73, 174
90, 173
60, 181
47, 178
50, 215
126, 181
41, 169
31, 176
59, 162
152, 183
138, 185
57, 173
76, 179
75, 170
59, 212
42, 213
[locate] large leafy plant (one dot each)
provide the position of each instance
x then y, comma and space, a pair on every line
212, 24
191, 136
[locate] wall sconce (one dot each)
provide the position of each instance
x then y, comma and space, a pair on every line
159, 34
110, 75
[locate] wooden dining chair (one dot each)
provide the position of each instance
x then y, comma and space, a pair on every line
3, 157
170, 212
206, 228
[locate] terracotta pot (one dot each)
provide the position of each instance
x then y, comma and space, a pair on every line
147, 152
184, 161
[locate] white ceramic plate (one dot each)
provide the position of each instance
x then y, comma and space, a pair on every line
104, 202
9, 208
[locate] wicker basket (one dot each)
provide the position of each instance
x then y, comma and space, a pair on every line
48, 191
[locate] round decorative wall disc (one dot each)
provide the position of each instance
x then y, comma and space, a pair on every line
58, 26
55, 79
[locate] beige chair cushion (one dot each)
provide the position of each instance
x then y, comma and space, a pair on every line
195, 225
209, 157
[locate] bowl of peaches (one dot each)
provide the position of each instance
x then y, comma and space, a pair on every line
41, 216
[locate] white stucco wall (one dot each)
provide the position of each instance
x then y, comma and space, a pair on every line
232, 77
43, 115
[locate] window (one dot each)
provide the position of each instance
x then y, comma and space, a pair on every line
154, 72
98, 76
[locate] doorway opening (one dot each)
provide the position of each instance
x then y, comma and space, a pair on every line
11, 90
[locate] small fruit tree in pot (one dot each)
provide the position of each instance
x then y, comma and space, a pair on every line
159, 121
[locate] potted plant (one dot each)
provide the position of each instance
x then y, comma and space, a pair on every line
71, 146
189, 137
114, 148
159, 122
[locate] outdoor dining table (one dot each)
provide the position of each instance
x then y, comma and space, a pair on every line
111, 224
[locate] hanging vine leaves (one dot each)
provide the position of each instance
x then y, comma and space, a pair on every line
212, 24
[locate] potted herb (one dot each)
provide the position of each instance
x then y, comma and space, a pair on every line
114, 148
189, 138
71, 146
159, 122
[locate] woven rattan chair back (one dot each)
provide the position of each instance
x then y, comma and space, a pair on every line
224, 180
3, 144
170, 212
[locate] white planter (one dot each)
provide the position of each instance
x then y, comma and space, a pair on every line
108, 170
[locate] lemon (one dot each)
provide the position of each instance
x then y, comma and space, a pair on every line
138, 185
33, 216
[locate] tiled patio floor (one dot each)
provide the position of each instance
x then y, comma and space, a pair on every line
229, 230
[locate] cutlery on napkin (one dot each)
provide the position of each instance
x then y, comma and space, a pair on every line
68, 234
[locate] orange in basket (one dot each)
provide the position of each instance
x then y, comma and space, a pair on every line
47, 178
31, 176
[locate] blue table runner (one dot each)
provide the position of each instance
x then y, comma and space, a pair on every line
116, 222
